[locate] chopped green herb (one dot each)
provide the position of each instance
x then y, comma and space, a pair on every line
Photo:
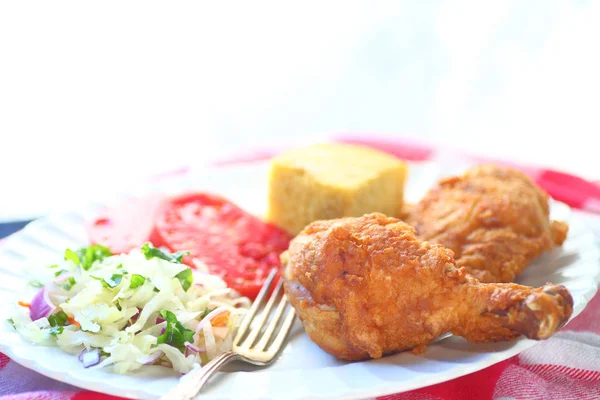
185, 278
56, 330
206, 312
59, 319
152, 252
11, 321
175, 335
112, 282
136, 281
70, 255
52, 266
86, 256
69, 283
35, 283
104, 354
60, 272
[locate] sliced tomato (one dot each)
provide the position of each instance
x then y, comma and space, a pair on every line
230, 242
127, 225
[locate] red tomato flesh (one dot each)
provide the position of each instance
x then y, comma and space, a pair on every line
127, 225
232, 243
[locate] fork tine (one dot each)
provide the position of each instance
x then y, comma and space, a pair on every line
285, 329
189, 388
272, 325
250, 315
263, 317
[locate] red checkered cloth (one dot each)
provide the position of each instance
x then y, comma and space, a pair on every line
566, 366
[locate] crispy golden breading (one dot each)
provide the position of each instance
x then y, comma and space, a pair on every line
494, 219
365, 287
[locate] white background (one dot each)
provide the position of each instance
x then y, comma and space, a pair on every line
94, 95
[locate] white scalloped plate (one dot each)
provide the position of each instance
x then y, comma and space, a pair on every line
303, 371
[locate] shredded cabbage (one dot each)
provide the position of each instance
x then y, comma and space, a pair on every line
135, 310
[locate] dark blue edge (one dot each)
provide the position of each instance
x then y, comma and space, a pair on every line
8, 228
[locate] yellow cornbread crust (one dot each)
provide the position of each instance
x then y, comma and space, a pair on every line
326, 181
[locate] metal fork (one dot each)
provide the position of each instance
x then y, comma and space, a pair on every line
249, 348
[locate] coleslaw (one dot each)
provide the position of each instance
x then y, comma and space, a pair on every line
130, 310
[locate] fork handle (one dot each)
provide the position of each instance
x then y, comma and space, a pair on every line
190, 384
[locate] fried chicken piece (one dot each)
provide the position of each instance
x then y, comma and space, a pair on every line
494, 219
365, 287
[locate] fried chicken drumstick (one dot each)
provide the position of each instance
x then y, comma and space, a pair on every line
494, 219
365, 287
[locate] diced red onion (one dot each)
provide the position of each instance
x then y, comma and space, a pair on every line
41, 305
89, 358
135, 316
211, 315
160, 320
151, 359
80, 356
190, 348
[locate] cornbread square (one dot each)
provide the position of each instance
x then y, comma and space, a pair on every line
325, 181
